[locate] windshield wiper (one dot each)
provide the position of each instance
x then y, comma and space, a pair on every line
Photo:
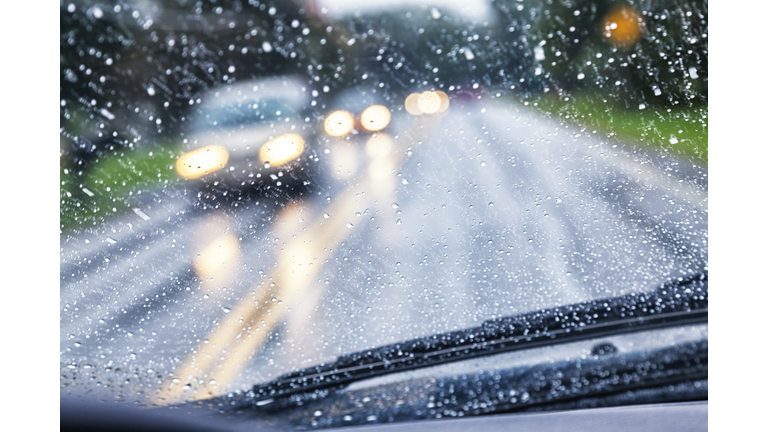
676, 303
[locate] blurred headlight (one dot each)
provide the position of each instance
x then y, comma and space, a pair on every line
444, 102
202, 161
412, 104
282, 149
429, 102
339, 123
375, 118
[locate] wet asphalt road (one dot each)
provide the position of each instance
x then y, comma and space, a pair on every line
485, 211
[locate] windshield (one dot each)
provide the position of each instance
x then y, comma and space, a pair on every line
251, 188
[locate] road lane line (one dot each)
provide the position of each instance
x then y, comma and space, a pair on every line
235, 340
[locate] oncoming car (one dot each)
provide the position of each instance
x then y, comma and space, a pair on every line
250, 133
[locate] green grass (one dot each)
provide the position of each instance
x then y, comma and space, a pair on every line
680, 130
115, 182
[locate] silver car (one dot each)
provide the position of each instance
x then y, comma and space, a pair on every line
250, 133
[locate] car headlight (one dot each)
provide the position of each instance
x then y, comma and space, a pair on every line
282, 149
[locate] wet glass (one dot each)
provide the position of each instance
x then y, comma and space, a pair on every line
251, 188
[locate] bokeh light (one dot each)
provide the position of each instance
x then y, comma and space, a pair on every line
339, 123
412, 104
202, 161
444, 102
375, 118
429, 102
282, 149
622, 26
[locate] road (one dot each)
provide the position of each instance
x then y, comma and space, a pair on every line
483, 211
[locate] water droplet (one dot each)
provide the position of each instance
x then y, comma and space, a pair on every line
326, 215
490, 204
673, 140
317, 413
151, 91
394, 205
349, 225
399, 222
267, 165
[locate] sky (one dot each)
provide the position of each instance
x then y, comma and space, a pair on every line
478, 10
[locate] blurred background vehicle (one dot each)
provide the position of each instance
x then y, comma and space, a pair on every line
253, 133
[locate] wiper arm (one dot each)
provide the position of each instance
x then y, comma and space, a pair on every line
676, 303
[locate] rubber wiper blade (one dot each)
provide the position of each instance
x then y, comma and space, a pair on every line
676, 303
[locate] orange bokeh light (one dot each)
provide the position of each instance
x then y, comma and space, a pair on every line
622, 26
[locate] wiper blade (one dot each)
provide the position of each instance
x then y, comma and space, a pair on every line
680, 302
